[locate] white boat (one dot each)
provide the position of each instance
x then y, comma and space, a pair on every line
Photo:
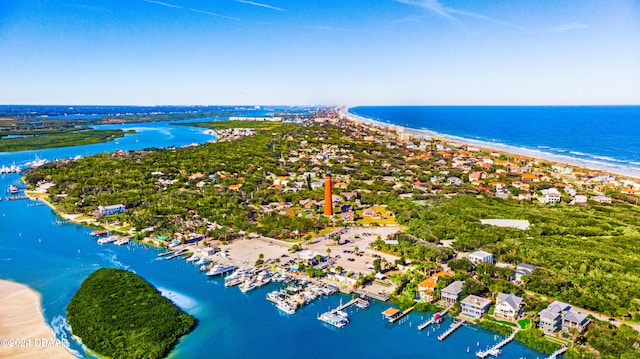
283, 306
193, 258
248, 285
13, 189
333, 319
108, 239
122, 241
220, 269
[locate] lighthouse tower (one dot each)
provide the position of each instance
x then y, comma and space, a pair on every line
328, 194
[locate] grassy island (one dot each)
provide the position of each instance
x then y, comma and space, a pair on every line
120, 315
36, 141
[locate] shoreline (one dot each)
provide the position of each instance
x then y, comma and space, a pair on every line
23, 330
578, 163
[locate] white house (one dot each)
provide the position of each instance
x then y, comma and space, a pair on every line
508, 306
109, 210
481, 257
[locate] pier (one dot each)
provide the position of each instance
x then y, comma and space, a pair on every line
436, 318
451, 329
555, 354
178, 253
400, 315
495, 350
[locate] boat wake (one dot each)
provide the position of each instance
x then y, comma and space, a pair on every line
182, 301
113, 259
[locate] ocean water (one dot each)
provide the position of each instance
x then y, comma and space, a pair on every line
604, 137
55, 258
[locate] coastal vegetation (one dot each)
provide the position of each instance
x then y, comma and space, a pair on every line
120, 315
271, 183
57, 138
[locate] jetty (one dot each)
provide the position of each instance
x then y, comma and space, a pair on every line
178, 253
358, 302
452, 328
166, 253
495, 350
436, 318
555, 354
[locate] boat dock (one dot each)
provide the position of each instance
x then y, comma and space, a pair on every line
398, 317
436, 318
451, 329
495, 350
178, 253
555, 354
166, 253
358, 302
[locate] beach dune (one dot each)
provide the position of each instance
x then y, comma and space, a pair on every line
23, 331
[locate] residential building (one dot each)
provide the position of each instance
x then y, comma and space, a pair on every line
551, 317
451, 293
559, 315
474, 306
480, 257
508, 306
427, 287
109, 210
522, 270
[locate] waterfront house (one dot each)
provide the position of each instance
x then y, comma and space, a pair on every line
522, 270
451, 293
474, 306
481, 257
574, 319
109, 210
426, 289
551, 316
508, 306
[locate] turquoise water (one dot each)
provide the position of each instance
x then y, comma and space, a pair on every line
54, 259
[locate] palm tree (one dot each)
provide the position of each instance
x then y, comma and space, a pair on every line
329, 252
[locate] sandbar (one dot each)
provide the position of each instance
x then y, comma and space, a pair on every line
23, 330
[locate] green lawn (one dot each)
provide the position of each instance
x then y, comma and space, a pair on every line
524, 323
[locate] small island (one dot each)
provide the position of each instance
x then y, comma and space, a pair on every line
118, 314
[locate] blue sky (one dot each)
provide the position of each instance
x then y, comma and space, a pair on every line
369, 52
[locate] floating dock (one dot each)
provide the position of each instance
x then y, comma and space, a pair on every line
451, 329
495, 350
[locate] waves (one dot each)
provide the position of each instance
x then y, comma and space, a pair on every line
62, 331
600, 138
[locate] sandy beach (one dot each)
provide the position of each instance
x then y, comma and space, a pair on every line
23, 331
578, 163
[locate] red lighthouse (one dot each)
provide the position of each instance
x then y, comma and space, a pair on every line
328, 203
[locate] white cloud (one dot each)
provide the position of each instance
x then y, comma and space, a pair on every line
163, 4
260, 5
435, 7
567, 27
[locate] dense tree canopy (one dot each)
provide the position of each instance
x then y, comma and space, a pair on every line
118, 314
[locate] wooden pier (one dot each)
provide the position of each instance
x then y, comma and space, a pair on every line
405, 312
178, 253
495, 350
451, 329
434, 319
555, 354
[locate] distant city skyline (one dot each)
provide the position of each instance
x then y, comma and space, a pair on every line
285, 52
